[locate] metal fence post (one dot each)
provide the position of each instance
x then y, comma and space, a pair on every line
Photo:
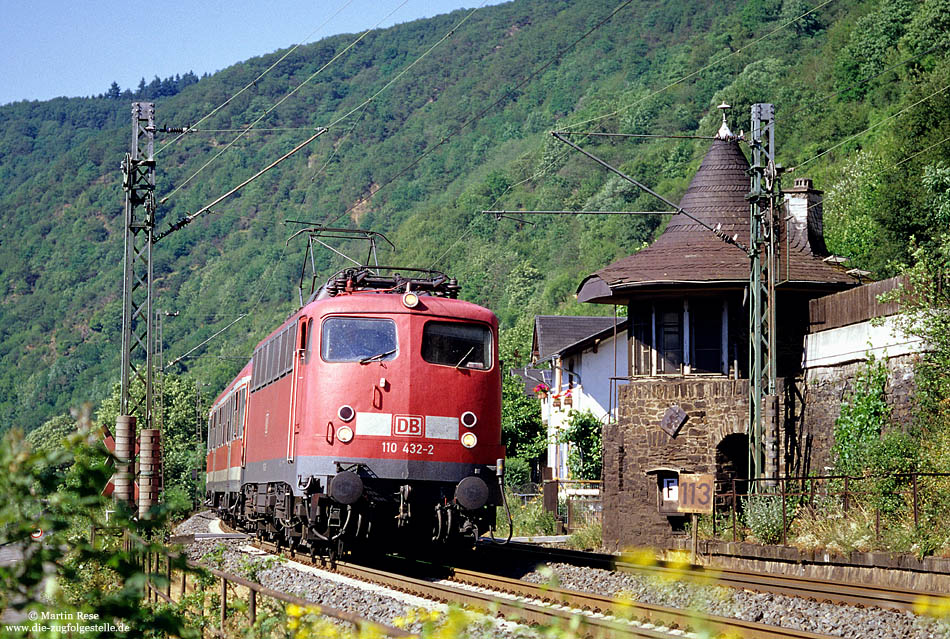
148, 576
735, 530
252, 607
224, 602
784, 514
914, 480
168, 574
846, 478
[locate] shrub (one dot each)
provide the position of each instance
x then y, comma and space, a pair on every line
527, 519
517, 471
864, 413
589, 537
763, 516
585, 457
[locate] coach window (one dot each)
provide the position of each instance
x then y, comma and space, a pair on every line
255, 369
457, 344
351, 339
289, 348
242, 397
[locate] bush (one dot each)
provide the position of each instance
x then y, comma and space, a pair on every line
527, 519
585, 457
763, 516
589, 537
178, 503
517, 471
864, 414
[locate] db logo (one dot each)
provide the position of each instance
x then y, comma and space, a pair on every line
37, 534
407, 425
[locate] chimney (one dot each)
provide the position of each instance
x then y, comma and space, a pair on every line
804, 218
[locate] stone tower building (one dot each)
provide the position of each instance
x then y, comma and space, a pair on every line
685, 406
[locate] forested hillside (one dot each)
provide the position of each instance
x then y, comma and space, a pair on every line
860, 88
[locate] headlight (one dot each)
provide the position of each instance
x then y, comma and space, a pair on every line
346, 413
469, 440
345, 434
410, 300
468, 419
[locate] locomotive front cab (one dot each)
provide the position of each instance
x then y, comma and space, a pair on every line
404, 417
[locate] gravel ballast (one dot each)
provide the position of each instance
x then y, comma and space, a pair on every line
383, 605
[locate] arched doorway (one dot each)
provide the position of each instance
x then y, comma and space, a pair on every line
732, 463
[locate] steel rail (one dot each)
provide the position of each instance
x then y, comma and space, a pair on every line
654, 614
864, 595
599, 616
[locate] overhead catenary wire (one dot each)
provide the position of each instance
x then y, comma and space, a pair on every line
505, 96
468, 228
190, 218
406, 70
866, 130
281, 101
698, 71
598, 118
858, 83
265, 285
191, 128
923, 150
338, 145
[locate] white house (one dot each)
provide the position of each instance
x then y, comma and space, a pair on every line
588, 358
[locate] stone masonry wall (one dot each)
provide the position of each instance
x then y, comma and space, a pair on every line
799, 443
714, 408
827, 387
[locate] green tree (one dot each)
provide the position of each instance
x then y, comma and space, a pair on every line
522, 430
584, 434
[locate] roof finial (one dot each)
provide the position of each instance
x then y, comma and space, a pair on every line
724, 133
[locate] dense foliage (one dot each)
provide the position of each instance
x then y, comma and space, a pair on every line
93, 581
584, 434
659, 67
521, 430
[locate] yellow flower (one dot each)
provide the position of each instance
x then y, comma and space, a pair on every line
639, 556
294, 610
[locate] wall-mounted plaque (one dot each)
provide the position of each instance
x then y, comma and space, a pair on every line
673, 420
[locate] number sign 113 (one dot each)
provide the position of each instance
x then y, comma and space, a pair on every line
696, 493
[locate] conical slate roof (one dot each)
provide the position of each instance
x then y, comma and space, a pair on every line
688, 253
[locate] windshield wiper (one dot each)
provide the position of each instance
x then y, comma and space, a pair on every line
465, 357
377, 356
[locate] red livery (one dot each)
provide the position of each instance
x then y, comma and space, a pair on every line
371, 416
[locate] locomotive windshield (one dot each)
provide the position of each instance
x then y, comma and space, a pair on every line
350, 339
456, 344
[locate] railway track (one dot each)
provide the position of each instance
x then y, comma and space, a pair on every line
528, 603
862, 595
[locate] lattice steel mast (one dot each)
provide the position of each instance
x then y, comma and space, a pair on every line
138, 181
763, 402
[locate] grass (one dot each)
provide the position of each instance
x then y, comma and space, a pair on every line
528, 519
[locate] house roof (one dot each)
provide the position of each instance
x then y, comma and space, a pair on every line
688, 253
553, 332
531, 377
587, 342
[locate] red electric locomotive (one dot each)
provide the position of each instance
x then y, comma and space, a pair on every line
370, 419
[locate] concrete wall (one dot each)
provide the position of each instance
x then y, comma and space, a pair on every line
852, 343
